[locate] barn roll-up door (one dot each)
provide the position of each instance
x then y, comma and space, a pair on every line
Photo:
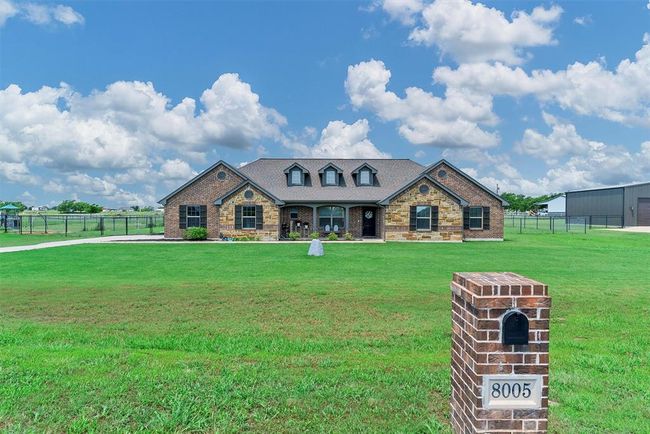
643, 212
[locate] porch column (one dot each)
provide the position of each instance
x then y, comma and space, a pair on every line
314, 218
347, 217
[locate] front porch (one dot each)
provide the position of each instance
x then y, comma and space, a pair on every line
362, 221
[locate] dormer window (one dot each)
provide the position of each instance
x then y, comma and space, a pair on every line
364, 177
296, 176
330, 177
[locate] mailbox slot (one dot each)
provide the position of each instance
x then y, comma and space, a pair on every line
514, 328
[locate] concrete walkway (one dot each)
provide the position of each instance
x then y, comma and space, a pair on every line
155, 239
98, 240
637, 229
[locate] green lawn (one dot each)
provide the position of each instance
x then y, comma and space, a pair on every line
260, 337
15, 239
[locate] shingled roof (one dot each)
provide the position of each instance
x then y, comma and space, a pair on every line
392, 174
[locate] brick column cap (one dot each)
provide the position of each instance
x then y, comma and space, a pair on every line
480, 283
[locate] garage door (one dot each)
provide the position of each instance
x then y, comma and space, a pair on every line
643, 216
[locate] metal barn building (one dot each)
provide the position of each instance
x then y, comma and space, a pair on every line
624, 205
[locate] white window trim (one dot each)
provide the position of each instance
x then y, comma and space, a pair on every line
291, 180
244, 218
188, 216
361, 172
422, 218
334, 179
480, 228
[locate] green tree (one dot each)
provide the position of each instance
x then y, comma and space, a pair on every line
520, 202
21, 206
73, 206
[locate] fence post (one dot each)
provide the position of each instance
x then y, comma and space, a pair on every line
150, 225
606, 218
589, 222
126, 224
20, 222
113, 223
568, 224
525, 218
30, 223
84, 223
537, 223
519, 225
45, 218
553, 224
101, 225
66, 225
585, 225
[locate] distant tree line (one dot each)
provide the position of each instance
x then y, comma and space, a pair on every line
520, 202
74, 206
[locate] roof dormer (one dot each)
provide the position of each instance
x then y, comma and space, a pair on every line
331, 175
365, 175
297, 175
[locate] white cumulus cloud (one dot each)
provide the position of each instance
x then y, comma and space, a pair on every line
473, 32
424, 119
620, 95
341, 140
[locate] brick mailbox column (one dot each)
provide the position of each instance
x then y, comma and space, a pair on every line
497, 385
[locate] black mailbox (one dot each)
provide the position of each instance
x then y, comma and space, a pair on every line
514, 328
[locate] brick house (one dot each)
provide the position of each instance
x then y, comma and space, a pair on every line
391, 199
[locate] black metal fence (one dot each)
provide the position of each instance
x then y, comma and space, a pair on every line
84, 225
558, 224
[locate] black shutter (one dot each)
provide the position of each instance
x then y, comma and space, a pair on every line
203, 219
412, 221
182, 216
434, 218
466, 217
237, 216
259, 217
486, 217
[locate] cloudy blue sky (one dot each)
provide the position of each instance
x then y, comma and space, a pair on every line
119, 102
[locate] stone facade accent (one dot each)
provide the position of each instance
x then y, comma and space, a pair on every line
476, 196
479, 300
397, 215
203, 191
270, 230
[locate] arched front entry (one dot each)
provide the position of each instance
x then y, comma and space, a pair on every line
331, 219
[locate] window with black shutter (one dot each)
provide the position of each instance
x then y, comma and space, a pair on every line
182, 217
193, 219
204, 216
434, 218
248, 220
413, 219
238, 216
466, 217
476, 217
423, 218
486, 217
259, 216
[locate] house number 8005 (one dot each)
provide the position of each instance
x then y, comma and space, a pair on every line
510, 390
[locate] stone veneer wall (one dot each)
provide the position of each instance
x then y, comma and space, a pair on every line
476, 197
202, 192
398, 214
271, 212
479, 300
